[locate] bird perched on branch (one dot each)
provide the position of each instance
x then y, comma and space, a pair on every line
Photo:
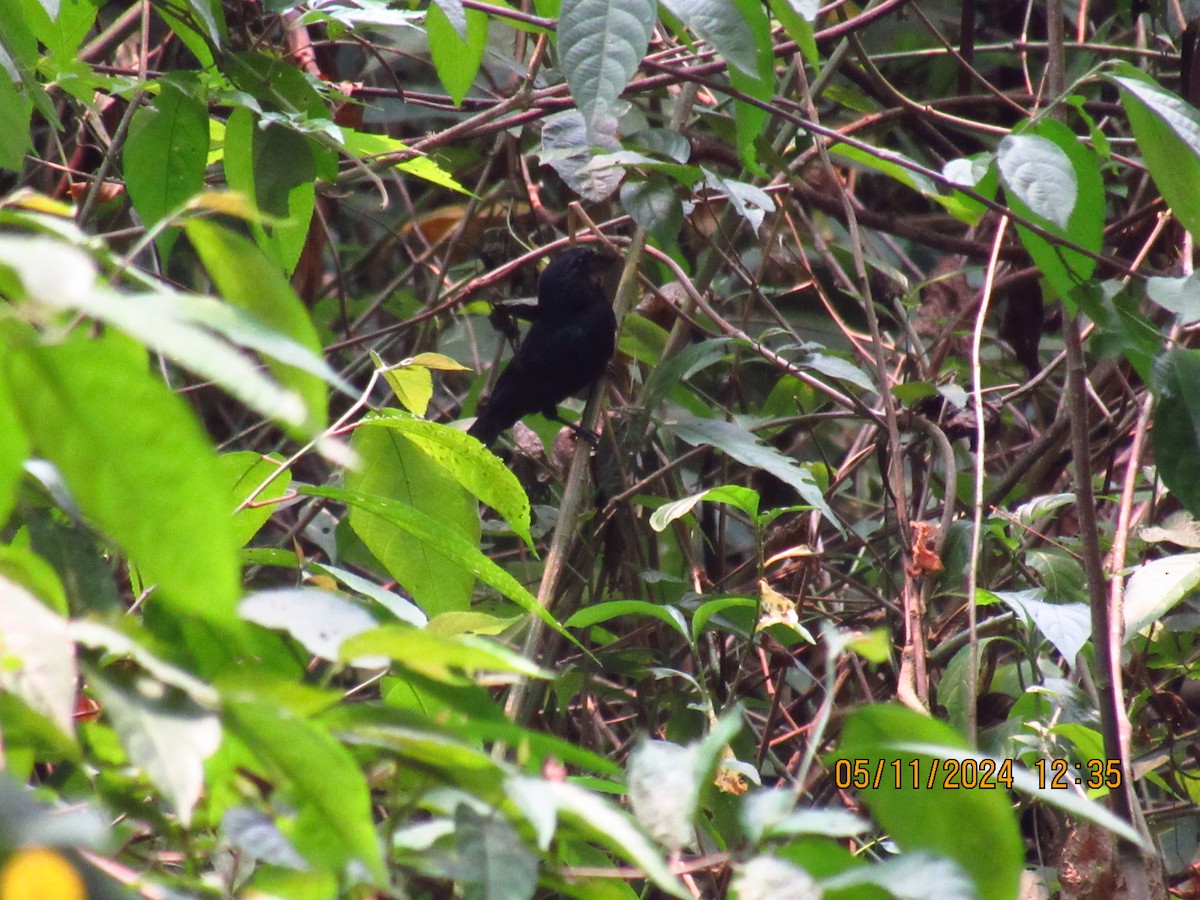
566, 350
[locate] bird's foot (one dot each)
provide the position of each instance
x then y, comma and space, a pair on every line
579, 431
586, 434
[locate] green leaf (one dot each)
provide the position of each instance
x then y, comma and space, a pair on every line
361, 144
454, 14
1167, 131
797, 18
167, 734
1070, 802
248, 280
1067, 625
743, 446
1039, 174
613, 828
931, 818
37, 655
165, 154
603, 612
751, 202
244, 471
14, 450
705, 612
274, 167
1178, 295
567, 145
18, 86
1154, 588
1176, 431
1053, 179
168, 323
600, 45
723, 24
398, 606
325, 784
492, 857
654, 206
470, 464
456, 52
742, 498
430, 531
61, 28
397, 469
138, 463
320, 620
439, 656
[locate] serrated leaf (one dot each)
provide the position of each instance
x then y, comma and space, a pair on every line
397, 469
600, 44
466, 461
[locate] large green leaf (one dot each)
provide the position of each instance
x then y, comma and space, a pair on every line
247, 279
14, 449
165, 154
243, 472
1054, 180
137, 462
18, 86
166, 733
456, 52
723, 24
932, 817
470, 464
327, 788
600, 44
395, 468
273, 165
1176, 431
450, 543
1167, 130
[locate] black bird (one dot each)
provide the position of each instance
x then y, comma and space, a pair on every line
567, 348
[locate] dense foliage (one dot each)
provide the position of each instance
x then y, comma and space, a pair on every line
879, 580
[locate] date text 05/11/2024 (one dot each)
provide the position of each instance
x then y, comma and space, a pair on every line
972, 774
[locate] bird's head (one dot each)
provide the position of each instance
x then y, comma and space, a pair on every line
574, 280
